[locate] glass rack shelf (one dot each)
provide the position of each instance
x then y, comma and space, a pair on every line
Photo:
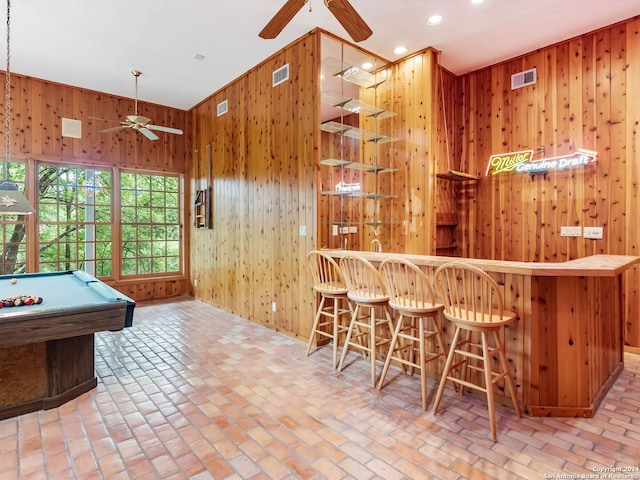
365, 167
353, 105
354, 132
355, 75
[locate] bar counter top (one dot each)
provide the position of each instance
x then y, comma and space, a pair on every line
592, 266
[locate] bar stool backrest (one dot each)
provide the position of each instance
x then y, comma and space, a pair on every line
469, 294
408, 286
363, 279
326, 273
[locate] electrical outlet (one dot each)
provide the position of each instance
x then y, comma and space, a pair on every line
594, 233
303, 230
570, 231
195, 282
273, 306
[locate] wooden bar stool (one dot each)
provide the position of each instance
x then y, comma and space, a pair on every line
370, 333
329, 282
473, 302
411, 295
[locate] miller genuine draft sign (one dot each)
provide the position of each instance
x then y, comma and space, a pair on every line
522, 162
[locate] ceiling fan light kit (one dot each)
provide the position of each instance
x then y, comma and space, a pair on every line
139, 122
344, 12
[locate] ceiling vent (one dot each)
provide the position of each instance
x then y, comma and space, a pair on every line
281, 75
522, 79
223, 107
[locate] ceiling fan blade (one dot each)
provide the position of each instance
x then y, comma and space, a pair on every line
160, 128
282, 18
104, 119
352, 22
113, 129
148, 133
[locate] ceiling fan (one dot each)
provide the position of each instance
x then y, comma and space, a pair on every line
138, 122
341, 9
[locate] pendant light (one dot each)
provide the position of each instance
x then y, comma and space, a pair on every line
12, 201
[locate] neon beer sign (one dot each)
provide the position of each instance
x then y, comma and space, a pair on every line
522, 162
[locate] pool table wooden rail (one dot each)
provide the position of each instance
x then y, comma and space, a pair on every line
41, 326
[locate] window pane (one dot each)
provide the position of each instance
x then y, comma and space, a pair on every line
150, 216
13, 232
74, 218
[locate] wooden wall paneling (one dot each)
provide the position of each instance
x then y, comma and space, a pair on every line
417, 95
600, 212
36, 118
51, 119
574, 192
563, 112
67, 111
586, 185
408, 196
631, 156
533, 222
545, 250
410, 96
233, 228
258, 163
436, 147
617, 179
447, 232
466, 205
20, 133
94, 145
307, 190
522, 118
284, 222
238, 157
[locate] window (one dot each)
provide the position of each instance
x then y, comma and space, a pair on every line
150, 223
75, 219
13, 230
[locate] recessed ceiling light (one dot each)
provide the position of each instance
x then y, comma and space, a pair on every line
476, 2
435, 20
400, 50
367, 66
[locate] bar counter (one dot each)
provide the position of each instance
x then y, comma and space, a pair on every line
566, 347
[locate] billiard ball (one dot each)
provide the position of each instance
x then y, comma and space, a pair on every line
14, 281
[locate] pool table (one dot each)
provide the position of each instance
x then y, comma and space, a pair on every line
47, 349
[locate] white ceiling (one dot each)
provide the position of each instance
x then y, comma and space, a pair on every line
95, 44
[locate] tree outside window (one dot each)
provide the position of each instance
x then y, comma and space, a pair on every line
150, 219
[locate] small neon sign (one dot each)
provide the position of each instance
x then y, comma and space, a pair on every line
347, 187
522, 162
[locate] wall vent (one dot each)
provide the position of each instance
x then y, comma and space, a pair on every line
281, 75
522, 79
223, 107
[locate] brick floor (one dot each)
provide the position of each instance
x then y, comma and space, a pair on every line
191, 392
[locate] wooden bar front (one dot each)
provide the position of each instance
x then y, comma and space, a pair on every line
566, 347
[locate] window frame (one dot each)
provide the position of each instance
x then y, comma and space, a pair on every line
32, 263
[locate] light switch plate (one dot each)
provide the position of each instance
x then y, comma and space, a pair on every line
594, 233
570, 231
